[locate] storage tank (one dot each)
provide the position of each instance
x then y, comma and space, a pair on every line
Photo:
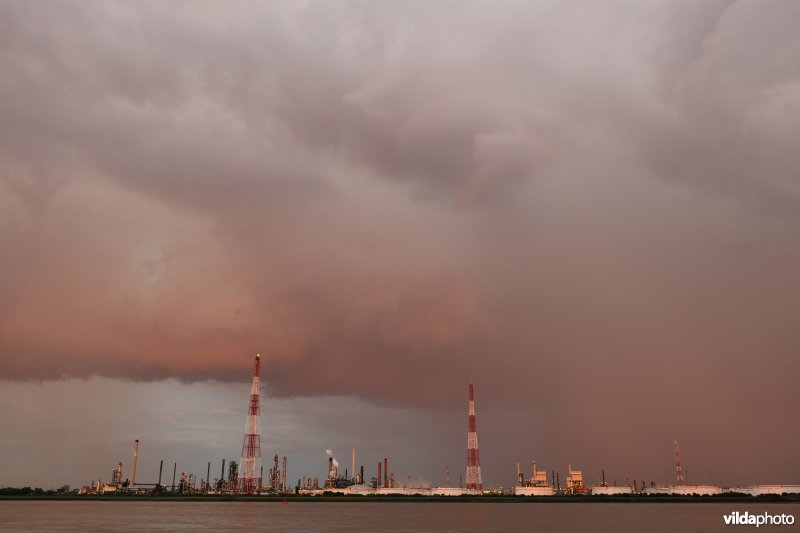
757, 490
686, 490
533, 491
611, 491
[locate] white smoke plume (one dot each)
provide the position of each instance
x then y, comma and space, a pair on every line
330, 454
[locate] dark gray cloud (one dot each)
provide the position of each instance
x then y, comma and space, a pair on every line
580, 205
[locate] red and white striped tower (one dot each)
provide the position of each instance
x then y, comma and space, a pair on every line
678, 469
250, 463
473, 455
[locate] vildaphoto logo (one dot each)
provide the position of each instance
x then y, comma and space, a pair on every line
747, 519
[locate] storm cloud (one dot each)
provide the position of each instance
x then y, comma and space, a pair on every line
592, 205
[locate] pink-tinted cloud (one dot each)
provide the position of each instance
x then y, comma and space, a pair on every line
585, 206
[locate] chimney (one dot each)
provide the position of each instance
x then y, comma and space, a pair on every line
133, 465
284, 474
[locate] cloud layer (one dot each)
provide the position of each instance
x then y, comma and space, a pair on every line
592, 204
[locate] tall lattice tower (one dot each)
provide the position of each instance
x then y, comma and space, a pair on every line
473, 455
250, 463
678, 469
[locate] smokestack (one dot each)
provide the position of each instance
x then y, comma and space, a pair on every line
250, 460
604, 478
208, 476
222, 473
284, 474
160, 468
330, 467
133, 465
474, 480
174, 469
379, 474
361, 476
385, 472
353, 466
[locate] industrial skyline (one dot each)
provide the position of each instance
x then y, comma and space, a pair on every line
589, 211
246, 476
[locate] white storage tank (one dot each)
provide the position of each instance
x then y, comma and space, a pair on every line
452, 491
610, 491
686, 490
757, 490
533, 491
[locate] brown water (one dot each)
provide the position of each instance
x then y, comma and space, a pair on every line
399, 517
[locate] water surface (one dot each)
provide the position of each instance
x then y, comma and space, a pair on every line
408, 517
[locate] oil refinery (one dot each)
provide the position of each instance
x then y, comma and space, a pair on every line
245, 475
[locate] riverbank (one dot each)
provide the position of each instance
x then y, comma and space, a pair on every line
723, 498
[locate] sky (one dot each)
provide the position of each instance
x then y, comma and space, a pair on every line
589, 210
